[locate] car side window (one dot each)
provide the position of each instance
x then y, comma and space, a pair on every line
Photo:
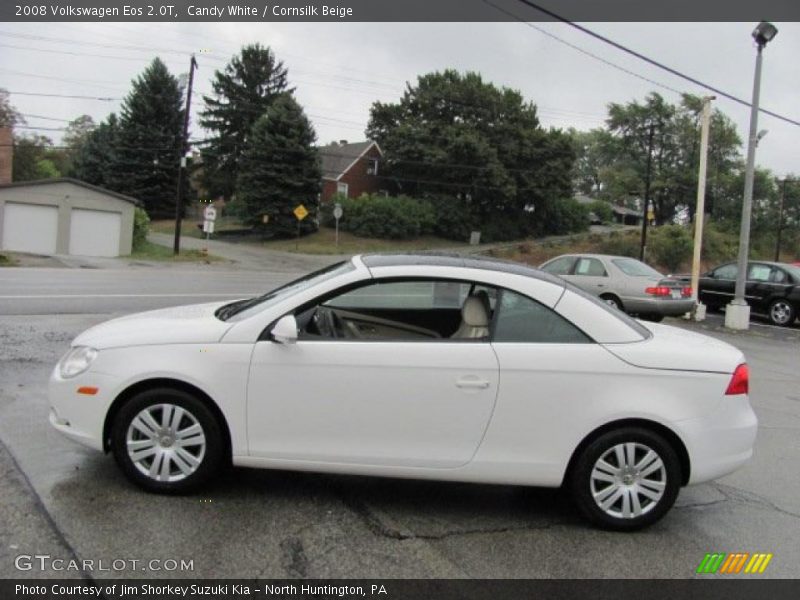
402, 310
726, 272
759, 272
522, 320
778, 276
591, 267
560, 266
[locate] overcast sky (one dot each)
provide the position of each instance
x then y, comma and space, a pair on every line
339, 69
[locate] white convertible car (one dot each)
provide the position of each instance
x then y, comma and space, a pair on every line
420, 366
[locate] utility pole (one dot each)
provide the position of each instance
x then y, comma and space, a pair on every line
184, 149
737, 313
699, 311
780, 221
646, 206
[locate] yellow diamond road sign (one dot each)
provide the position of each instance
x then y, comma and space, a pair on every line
300, 212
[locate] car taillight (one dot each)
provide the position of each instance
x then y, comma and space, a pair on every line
686, 292
740, 381
661, 290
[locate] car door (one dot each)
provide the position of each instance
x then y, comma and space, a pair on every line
718, 287
396, 399
760, 288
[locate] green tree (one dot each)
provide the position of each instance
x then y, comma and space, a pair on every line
33, 158
76, 134
280, 169
477, 151
242, 93
95, 158
9, 116
150, 143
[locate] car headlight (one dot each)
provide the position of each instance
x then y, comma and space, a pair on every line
76, 361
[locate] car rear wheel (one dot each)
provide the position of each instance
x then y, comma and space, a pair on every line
626, 479
781, 312
612, 301
167, 441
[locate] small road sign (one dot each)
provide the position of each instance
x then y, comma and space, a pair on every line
208, 226
300, 212
210, 213
337, 211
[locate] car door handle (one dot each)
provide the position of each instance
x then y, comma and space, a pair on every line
472, 383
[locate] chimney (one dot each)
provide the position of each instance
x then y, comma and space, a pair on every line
6, 153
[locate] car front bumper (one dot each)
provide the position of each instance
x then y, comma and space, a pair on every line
81, 417
722, 441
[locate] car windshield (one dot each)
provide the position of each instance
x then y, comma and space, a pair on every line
242, 309
635, 268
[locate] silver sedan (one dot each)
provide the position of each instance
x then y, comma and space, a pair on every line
625, 283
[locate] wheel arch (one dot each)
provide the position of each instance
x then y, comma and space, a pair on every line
165, 382
669, 435
613, 295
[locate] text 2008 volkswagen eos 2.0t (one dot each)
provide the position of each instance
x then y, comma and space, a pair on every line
425, 366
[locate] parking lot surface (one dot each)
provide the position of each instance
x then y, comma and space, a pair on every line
61, 499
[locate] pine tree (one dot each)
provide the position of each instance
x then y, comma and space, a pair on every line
280, 169
95, 159
246, 88
150, 140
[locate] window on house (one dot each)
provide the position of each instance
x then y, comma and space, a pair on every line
372, 166
342, 188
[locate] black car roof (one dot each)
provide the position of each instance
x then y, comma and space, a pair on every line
443, 259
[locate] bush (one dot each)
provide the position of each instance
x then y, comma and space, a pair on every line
719, 245
670, 246
621, 244
141, 226
603, 210
566, 216
384, 217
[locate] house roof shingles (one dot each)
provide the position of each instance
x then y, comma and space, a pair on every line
336, 158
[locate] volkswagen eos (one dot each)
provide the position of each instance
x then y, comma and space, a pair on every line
419, 366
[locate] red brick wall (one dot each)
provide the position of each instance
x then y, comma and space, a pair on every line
357, 179
6, 154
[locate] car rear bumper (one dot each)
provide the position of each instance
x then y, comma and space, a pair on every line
658, 306
722, 441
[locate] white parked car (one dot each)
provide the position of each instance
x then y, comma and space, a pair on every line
428, 366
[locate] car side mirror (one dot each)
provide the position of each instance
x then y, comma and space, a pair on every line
285, 330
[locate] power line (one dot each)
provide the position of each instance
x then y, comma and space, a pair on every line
638, 55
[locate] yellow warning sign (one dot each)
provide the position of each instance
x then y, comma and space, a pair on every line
300, 212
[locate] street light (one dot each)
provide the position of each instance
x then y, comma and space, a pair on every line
737, 315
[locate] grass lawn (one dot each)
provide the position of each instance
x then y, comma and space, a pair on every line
324, 242
7, 261
152, 251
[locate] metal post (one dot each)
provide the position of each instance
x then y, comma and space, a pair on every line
699, 312
780, 222
737, 315
646, 191
176, 248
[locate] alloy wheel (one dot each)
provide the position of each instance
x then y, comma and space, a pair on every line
165, 442
628, 480
780, 312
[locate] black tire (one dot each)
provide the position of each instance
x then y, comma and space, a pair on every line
209, 460
612, 300
653, 318
581, 484
781, 312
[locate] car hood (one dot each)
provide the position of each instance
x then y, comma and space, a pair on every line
192, 324
674, 348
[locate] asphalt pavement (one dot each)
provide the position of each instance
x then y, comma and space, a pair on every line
60, 499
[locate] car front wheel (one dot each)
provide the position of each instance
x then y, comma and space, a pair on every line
781, 312
166, 440
626, 479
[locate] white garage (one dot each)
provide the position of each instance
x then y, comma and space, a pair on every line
65, 216
30, 228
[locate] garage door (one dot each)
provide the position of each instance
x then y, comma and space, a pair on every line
30, 228
94, 232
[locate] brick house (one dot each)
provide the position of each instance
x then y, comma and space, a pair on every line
351, 169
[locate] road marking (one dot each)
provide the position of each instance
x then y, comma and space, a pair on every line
77, 296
